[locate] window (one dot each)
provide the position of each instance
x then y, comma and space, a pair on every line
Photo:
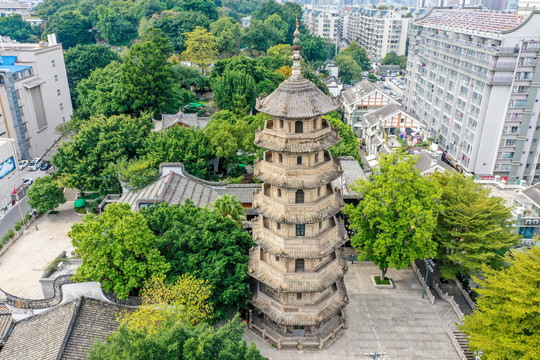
507, 155
298, 127
58, 92
279, 192
18, 92
61, 106
511, 142
299, 160
318, 192
300, 229
299, 196
280, 157
55, 77
298, 296
278, 226
53, 63
299, 265
281, 123
316, 158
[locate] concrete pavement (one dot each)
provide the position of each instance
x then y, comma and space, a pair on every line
23, 264
396, 321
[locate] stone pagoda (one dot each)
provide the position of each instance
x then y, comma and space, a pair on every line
297, 265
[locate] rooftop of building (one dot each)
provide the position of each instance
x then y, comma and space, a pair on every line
390, 109
427, 161
8, 63
472, 19
533, 194
66, 331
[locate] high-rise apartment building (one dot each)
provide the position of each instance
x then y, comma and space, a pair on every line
323, 23
473, 79
379, 31
34, 95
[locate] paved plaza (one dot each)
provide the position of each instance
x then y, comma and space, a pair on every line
396, 321
23, 264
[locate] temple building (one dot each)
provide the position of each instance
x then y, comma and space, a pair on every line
297, 264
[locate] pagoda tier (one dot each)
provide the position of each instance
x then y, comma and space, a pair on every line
320, 137
280, 242
297, 266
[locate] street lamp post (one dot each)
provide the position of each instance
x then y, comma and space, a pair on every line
429, 268
375, 355
34, 216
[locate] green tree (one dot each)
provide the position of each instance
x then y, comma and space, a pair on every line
349, 142
136, 173
15, 27
283, 51
117, 22
201, 48
264, 34
506, 325
158, 37
117, 249
349, 69
199, 241
316, 49
177, 24
475, 229
229, 206
45, 194
178, 340
102, 93
148, 81
87, 161
188, 77
395, 220
391, 58
359, 55
207, 7
71, 27
231, 87
227, 32
81, 60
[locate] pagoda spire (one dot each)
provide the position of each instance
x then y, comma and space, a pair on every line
296, 57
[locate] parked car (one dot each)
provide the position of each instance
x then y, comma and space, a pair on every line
28, 181
34, 164
45, 166
23, 164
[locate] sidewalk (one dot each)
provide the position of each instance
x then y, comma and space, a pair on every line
23, 264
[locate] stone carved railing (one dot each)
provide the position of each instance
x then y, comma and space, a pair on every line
421, 279
449, 299
22, 303
134, 301
465, 295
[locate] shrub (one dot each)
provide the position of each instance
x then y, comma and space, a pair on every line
8, 235
18, 225
28, 216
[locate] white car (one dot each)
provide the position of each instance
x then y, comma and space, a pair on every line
34, 164
28, 181
23, 164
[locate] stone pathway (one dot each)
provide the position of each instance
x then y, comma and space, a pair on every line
396, 321
23, 264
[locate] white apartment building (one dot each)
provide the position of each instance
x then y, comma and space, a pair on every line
473, 80
379, 31
323, 23
34, 95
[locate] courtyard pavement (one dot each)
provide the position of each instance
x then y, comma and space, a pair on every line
396, 321
23, 264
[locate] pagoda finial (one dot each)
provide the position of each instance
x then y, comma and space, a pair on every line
296, 68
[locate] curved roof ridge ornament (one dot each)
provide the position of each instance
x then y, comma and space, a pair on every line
296, 57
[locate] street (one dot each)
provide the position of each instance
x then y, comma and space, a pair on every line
8, 219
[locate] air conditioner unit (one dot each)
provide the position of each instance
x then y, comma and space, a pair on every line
535, 222
514, 91
528, 222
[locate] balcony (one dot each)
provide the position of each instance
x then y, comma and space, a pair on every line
300, 247
306, 213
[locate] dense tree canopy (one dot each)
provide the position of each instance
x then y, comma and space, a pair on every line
199, 241
392, 58
117, 249
474, 229
229, 206
349, 142
506, 325
394, 222
86, 162
71, 28
227, 32
177, 340
201, 48
117, 22
349, 70
81, 60
16, 28
45, 194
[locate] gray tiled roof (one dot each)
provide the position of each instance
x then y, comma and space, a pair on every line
426, 160
5, 322
358, 91
385, 111
296, 98
352, 171
533, 194
66, 331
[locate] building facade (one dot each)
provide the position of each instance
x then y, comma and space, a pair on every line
323, 23
379, 31
297, 266
473, 79
34, 95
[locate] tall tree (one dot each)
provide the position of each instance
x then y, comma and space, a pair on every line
201, 48
71, 27
117, 22
45, 194
227, 32
117, 249
81, 60
349, 142
199, 241
506, 324
177, 24
207, 7
475, 229
359, 55
349, 69
231, 87
148, 81
229, 206
184, 300
178, 340
394, 222
17, 28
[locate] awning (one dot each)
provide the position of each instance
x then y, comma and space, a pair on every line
80, 203
33, 83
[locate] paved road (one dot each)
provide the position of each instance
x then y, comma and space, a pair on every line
8, 219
